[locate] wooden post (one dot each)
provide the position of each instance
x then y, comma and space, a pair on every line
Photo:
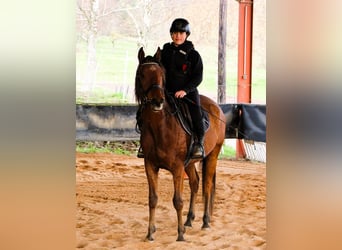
244, 59
221, 84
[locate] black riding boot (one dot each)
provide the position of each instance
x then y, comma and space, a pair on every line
198, 148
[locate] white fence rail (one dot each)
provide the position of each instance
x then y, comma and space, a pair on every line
255, 151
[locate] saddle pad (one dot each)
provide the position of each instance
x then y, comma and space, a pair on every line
184, 117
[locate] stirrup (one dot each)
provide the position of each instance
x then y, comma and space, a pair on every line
197, 151
140, 153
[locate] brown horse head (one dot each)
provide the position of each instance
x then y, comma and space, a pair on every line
149, 81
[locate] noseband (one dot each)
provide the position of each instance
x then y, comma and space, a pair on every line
152, 101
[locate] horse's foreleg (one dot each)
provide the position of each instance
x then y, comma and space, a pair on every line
209, 179
194, 184
178, 202
152, 177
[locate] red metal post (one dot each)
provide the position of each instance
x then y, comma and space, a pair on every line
244, 59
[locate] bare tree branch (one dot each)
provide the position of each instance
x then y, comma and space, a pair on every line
84, 12
136, 24
119, 10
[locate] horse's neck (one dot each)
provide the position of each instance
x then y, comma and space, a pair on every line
164, 123
168, 137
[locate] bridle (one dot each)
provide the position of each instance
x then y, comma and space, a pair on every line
145, 99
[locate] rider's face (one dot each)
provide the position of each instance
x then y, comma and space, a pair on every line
178, 37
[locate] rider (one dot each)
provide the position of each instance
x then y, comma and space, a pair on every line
184, 72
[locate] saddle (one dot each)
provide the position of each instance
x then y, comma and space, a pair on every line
183, 115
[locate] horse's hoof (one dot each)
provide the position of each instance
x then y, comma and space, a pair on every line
205, 227
180, 238
188, 224
149, 239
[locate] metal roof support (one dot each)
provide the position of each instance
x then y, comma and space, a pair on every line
244, 60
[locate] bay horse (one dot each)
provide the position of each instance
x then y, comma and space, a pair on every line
165, 144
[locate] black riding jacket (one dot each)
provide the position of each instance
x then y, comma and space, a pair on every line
183, 65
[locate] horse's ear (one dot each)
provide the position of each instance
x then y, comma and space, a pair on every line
141, 54
157, 55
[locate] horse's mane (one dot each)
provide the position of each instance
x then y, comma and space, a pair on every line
139, 92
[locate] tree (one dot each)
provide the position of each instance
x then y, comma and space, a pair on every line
90, 12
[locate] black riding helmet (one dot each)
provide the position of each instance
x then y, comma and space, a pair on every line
180, 25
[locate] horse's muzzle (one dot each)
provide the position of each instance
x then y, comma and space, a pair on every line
157, 105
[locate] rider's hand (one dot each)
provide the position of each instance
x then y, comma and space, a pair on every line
180, 94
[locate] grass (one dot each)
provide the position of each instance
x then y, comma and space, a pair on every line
101, 96
91, 148
131, 148
116, 66
121, 148
227, 152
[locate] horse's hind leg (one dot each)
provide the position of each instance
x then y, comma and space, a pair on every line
209, 183
152, 178
194, 183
